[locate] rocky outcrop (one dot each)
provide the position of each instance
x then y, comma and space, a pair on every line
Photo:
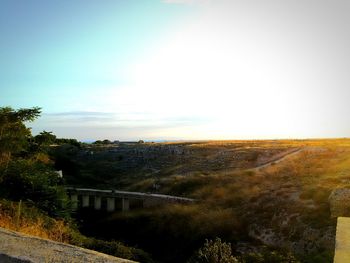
16, 247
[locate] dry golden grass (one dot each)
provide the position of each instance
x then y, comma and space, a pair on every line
15, 216
43, 158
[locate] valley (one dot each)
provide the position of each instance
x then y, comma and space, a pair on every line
261, 196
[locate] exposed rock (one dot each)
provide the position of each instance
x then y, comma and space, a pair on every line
339, 201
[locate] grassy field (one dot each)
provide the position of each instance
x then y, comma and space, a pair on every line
251, 193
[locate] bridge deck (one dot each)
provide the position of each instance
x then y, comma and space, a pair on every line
135, 195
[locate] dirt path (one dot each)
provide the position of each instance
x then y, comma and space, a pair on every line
277, 160
20, 248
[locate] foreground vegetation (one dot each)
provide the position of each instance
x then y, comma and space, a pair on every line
33, 199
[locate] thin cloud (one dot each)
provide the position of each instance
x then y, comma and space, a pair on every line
78, 117
94, 125
109, 119
80, 114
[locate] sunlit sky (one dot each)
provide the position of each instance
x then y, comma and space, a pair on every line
178, 69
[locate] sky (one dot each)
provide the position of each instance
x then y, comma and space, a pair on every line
178, 69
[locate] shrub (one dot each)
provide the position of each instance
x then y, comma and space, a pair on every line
214, 251
29, 220
34, 183
116, 248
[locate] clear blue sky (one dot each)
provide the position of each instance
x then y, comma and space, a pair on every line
178, 69
54, 52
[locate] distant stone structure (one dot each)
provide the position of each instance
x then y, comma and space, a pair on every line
339, 201
108, 199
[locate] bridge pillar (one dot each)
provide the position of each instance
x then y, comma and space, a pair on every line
86, 200
125, 204
74, 200
110, 204
97, 204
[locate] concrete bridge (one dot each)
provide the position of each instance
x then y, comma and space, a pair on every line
112, 200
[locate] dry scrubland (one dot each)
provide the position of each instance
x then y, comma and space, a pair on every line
29, 220
268, 198
251, 193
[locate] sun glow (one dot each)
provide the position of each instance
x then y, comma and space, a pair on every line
223, 77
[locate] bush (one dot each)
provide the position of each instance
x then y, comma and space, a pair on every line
29, 220
37, 184
116, 248
214, 251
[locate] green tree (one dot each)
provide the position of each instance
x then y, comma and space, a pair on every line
73, 142
14, 135
106, 141
35, 183
23, 178
45, 138
214, 251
